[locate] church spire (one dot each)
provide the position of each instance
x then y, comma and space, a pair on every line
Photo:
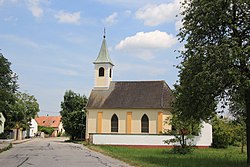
103, 56
103, 67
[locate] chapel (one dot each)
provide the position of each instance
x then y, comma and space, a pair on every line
125, 107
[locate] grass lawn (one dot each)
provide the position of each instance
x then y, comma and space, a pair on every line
155, 157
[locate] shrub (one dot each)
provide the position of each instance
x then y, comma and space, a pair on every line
182, 150
222, 133
4, 135
46, 130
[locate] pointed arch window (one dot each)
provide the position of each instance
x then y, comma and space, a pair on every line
144, 124
101, 72
110, 73
114, 123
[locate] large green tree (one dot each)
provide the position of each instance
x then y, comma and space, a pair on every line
22, 111
73, 114
216, 58
8, 85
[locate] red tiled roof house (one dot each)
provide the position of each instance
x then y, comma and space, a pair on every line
51, 121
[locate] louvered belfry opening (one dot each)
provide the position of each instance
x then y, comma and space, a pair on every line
101, 72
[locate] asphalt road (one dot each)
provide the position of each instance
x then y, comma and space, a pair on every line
54, 152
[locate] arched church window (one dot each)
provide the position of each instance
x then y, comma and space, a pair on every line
144, 124
110, 73
114, 123
101, 72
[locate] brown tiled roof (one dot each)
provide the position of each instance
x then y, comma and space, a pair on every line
49, 121
134, 94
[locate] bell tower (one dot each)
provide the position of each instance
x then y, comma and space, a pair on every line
103, 67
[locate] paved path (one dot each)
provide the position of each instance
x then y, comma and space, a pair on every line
54, 152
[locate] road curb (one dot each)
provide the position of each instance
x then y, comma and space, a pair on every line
20, 141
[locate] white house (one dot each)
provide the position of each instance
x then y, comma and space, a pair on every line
2, 120
33, 128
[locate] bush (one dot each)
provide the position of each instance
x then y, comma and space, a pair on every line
182, 150
46, 130
4, 135
222, 133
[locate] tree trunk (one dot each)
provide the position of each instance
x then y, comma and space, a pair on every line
247, 100
242, 146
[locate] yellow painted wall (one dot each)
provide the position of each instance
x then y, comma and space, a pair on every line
129, 122
99, 122
136, 115
160, 122
166, 120
105, 80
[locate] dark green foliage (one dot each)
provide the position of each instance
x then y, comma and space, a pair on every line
223, 133
8, 85
216, 59
228, 132
46, 130
238, 110
73, 114
4, 135
182, 150
18, 108
22, 111
183, 132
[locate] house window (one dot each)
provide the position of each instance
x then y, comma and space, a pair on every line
110, 73
144, 124
114, 123
101, 72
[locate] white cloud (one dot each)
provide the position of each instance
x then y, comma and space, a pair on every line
178, 25
35, 8
111, 19
69, 18
67, 72
154, 15
140, 69
130, 3
127, 12
148, 40
1, 2
74, 38
19, 40
145, 45
12, 1
10, 18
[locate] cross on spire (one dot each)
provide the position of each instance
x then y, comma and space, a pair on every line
104, 33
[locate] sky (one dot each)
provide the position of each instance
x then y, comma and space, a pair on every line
52, 43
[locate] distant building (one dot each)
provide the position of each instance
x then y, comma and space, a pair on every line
33, 129
2, 119
51, 121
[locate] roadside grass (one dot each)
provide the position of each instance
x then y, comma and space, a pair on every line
6, 148
155, 157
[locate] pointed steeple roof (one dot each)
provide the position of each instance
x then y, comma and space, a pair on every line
103, 56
